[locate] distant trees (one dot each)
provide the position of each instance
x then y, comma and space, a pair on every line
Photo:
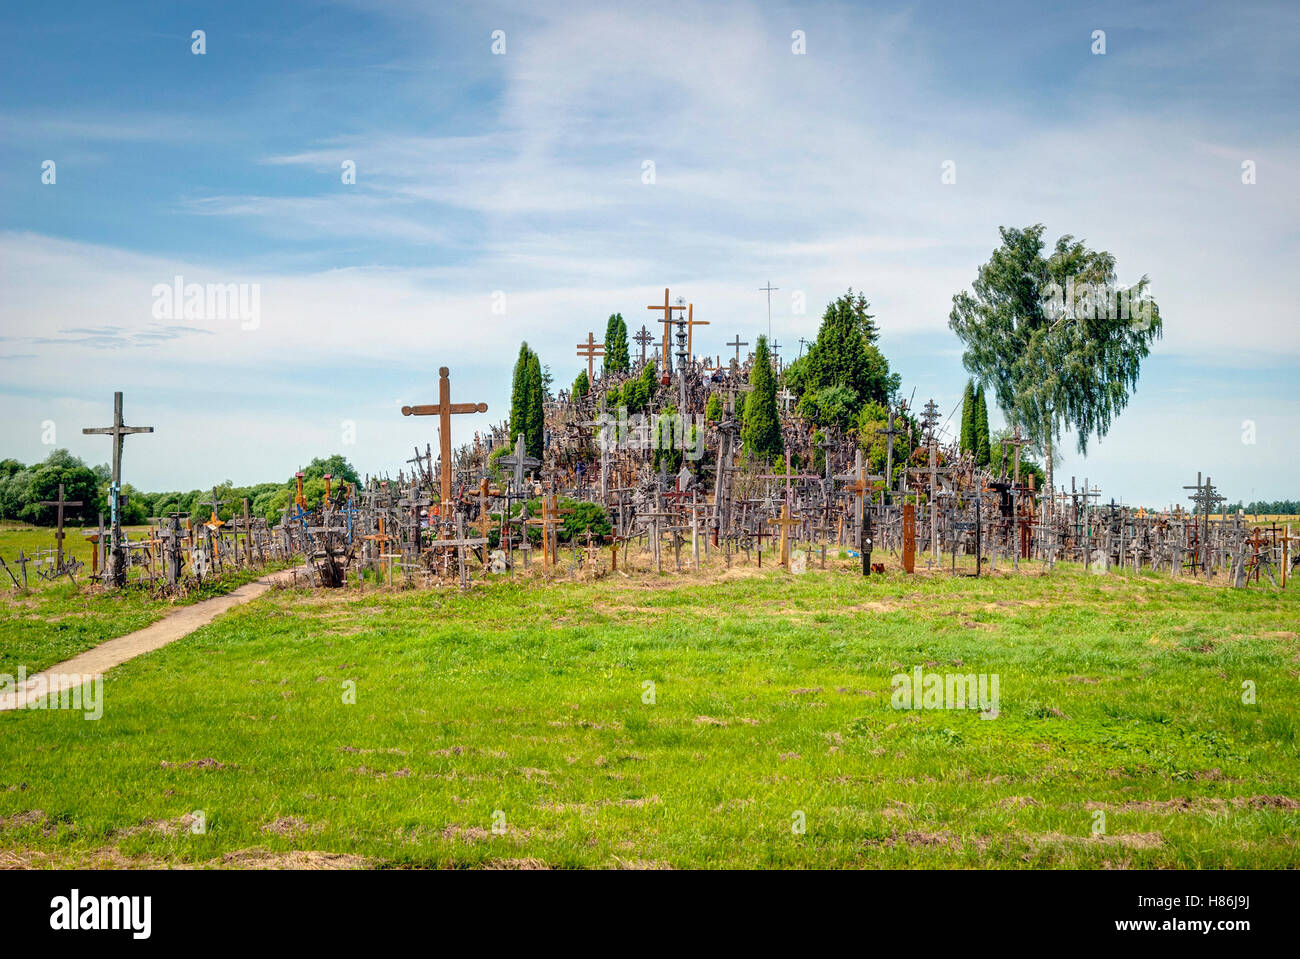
1060, 343
22, 488
581, 385
617, 359
760, 429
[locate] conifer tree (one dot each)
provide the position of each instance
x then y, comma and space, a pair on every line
617, 359
967, 438
536, 418
982, 452
761, 429
519, 395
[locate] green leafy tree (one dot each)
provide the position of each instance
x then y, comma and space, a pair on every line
581, 385
1055, 361
617, 359
336, 466
761, 429
79, 481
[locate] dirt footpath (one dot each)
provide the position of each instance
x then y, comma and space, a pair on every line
105, 656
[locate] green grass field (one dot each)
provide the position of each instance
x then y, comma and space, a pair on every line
510, 727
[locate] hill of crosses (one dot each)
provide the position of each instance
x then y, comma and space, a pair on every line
661, 459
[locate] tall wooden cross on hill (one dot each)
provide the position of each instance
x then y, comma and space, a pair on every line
58, 536
443, 410
643, 337
667, 322
591, 349
691, 323
119, 431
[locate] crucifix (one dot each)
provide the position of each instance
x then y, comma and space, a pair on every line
591, 349
643, 337
116, 565
58, 536
443, 410
737, 343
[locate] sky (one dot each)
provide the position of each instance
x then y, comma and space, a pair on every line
503, 192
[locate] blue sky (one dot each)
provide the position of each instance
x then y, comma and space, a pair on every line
484, 179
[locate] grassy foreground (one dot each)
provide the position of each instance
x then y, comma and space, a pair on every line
513, 726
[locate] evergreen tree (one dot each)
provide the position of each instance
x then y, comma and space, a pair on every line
536, 417
519, 395
617, 359
967, 439
581, 385
761, 429
982, 452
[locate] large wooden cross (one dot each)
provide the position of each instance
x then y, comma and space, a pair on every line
443, 410
58, 536
591, 349
667, 322
691, 323
119, 431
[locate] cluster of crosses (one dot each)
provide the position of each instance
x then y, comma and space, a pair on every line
673, 482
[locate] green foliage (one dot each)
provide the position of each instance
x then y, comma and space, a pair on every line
713, 409
535, 435
967, 439
27, 488
981, 432
617, 359
844, 353
336, 466
585, 516
761, 429
830, 406
519, 394
1052, 367
581, 385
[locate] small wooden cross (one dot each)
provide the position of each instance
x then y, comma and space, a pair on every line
58, 536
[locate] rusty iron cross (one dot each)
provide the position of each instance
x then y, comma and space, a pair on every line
643, 337
443, 410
